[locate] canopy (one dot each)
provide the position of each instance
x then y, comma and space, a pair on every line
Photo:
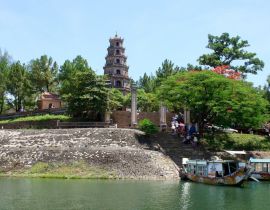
257, 160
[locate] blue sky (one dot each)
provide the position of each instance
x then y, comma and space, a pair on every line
153, 30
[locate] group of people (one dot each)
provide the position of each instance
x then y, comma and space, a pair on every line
187, 132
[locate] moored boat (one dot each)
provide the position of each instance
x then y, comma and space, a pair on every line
261, 168
217, 172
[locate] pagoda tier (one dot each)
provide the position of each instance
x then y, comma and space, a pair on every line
116, 65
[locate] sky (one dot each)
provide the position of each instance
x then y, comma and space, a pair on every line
153, 30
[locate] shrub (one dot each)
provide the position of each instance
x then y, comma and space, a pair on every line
39, 167
148, 126
235, 141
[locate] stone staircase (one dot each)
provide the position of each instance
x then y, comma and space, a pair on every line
173, 147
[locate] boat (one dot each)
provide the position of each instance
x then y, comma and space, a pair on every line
216, 172
261, 168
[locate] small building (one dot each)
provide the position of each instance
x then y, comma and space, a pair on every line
49, 101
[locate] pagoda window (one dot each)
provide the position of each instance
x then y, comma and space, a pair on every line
117, 44
117, 52
117, 60
118, 84
118, 71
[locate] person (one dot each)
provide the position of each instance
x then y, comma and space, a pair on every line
173, 127
192, 130
181, 129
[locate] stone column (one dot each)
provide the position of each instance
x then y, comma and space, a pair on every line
107, 117
187, 117
133, 106
162, 121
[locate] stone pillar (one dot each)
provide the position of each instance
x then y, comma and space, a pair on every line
187, 117
107, 117
162, 121
133, 106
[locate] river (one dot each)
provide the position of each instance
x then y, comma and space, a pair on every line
54, 194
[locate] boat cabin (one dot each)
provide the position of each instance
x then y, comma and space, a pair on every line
260, 165
217, 168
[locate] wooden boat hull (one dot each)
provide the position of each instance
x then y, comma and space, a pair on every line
235, 179
265, 176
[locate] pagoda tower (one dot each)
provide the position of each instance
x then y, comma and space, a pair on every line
116, 67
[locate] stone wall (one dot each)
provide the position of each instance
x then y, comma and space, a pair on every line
49, 124
123, 118
124, 152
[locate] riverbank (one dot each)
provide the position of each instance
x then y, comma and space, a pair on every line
82, 153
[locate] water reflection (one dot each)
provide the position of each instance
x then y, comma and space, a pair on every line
51, 194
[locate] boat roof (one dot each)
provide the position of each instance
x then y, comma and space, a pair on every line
236, 152
204, 162
258, 160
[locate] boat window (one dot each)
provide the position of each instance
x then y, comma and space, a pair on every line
191, 169
201, 170
226, 169
258, 167
233, 167
264, 167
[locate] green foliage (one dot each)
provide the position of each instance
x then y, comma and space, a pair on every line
74, 170
87, 96
210, 96
229, 51
18, 84
266, 90
4, 68
167, 69
147, 126
146, 102
43, 74
236, 141
46, 117
39, 167
116, 99
147, 83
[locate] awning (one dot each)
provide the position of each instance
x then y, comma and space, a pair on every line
257, 160
236, 152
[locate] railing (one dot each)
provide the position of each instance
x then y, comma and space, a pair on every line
83, 124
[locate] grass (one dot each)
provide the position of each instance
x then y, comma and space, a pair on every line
76, 170
236, 141
38, 118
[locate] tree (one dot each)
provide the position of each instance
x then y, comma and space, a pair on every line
44, 74
5, 61
215, 99
115, 99
84, 92
230, 51
87, 96
146, 102
18, 84
67, 72
227, 72
147, 83
167, 69
266, 89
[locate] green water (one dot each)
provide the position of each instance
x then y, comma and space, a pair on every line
54, 194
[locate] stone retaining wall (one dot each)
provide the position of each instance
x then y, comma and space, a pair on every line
123, 118
121, 151
49, 124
